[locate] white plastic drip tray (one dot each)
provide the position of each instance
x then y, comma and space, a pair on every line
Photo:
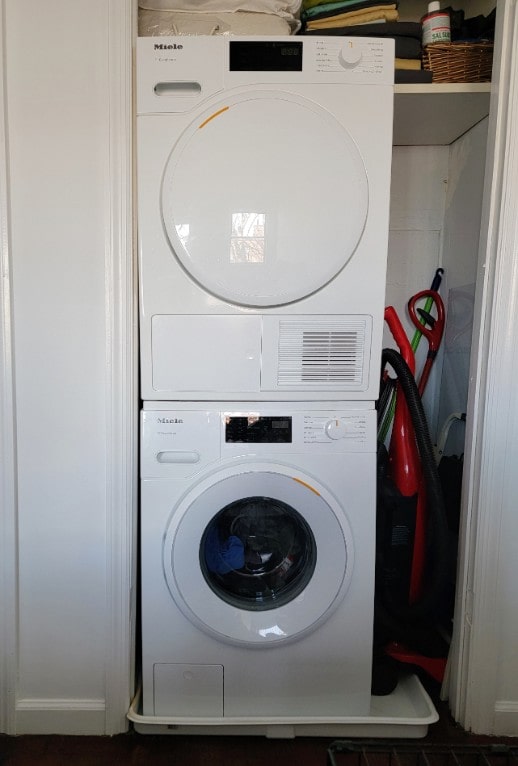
405, 713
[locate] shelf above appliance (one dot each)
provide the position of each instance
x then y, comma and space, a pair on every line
437, 114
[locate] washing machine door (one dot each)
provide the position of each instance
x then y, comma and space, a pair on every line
258, 556
264, 198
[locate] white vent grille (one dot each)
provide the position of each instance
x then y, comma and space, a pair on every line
322, 353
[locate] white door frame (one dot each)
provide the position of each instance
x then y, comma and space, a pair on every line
492, 411
121, 395
121, 356
8, 485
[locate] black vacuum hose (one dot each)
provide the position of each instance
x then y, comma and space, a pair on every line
437, 533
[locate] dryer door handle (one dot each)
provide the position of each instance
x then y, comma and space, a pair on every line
178, 456
178, 88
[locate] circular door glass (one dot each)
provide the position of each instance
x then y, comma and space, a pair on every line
258, 556
258, 553
264, 199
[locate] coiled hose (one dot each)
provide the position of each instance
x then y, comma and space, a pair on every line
403, 616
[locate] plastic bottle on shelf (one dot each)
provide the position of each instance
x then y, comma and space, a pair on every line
436, 25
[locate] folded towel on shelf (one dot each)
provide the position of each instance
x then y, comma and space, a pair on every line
405, 47
287, 10
278, 7
159, 23
307, 4
407, 63
477, 28
412, 76
410, 29
311, 9
351, 19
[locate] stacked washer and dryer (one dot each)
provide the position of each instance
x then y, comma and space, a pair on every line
263, 203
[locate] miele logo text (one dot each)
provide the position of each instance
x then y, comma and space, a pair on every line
170, 420
162, 47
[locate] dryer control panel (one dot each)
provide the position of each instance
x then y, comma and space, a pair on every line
175, 73
368, 55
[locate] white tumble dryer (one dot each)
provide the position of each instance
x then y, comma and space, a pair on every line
257, 535
263, 203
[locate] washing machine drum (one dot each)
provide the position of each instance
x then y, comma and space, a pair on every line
264, 199
256, 557
258, 553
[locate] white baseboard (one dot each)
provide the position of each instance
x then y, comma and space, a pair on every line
61, 716
506, 718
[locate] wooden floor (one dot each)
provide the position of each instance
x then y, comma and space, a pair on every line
160, 751
133, 749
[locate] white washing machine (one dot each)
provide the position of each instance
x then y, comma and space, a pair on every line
263, 203
257, 535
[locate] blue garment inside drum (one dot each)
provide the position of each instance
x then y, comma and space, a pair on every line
223, 556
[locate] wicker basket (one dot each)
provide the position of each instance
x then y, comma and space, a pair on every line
459, 62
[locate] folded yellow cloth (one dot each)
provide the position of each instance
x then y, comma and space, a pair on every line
407, 63
375, 13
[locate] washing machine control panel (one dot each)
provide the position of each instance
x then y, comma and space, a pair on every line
258, 429
350, 55
298, 429
322, 429
336, 429
183, 442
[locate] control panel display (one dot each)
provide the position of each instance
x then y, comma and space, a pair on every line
258, 429
264, 56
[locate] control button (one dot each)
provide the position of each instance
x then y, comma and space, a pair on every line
350, 55
335, 429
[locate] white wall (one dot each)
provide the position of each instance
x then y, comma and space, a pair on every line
67, 68
436, 200
417, 208
467, 158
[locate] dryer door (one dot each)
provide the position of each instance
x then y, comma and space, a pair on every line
258, 556
264, 198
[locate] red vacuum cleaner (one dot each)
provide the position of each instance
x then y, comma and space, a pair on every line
412, 535
404, 463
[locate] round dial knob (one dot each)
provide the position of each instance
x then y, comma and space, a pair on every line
350, 55
336, 429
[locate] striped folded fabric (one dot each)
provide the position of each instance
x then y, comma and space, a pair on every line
318, 14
